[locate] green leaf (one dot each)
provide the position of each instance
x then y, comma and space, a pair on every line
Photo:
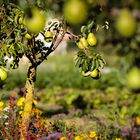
90, 26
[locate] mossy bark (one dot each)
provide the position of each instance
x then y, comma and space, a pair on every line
30, 81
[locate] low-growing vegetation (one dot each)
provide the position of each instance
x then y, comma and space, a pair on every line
69, 108
69, 70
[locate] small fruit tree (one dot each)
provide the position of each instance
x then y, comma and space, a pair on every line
21, 23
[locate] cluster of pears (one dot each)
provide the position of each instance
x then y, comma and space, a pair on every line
84, 43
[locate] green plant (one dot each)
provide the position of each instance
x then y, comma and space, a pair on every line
22, 26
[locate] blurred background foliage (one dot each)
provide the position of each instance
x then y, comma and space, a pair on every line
59, 83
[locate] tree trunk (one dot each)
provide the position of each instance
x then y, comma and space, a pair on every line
28, 101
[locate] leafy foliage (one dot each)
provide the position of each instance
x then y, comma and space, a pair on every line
11, 39
14, 39
89, 62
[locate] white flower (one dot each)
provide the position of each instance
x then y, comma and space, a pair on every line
6, 109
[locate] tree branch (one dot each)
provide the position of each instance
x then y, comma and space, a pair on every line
30, 56
56, 41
